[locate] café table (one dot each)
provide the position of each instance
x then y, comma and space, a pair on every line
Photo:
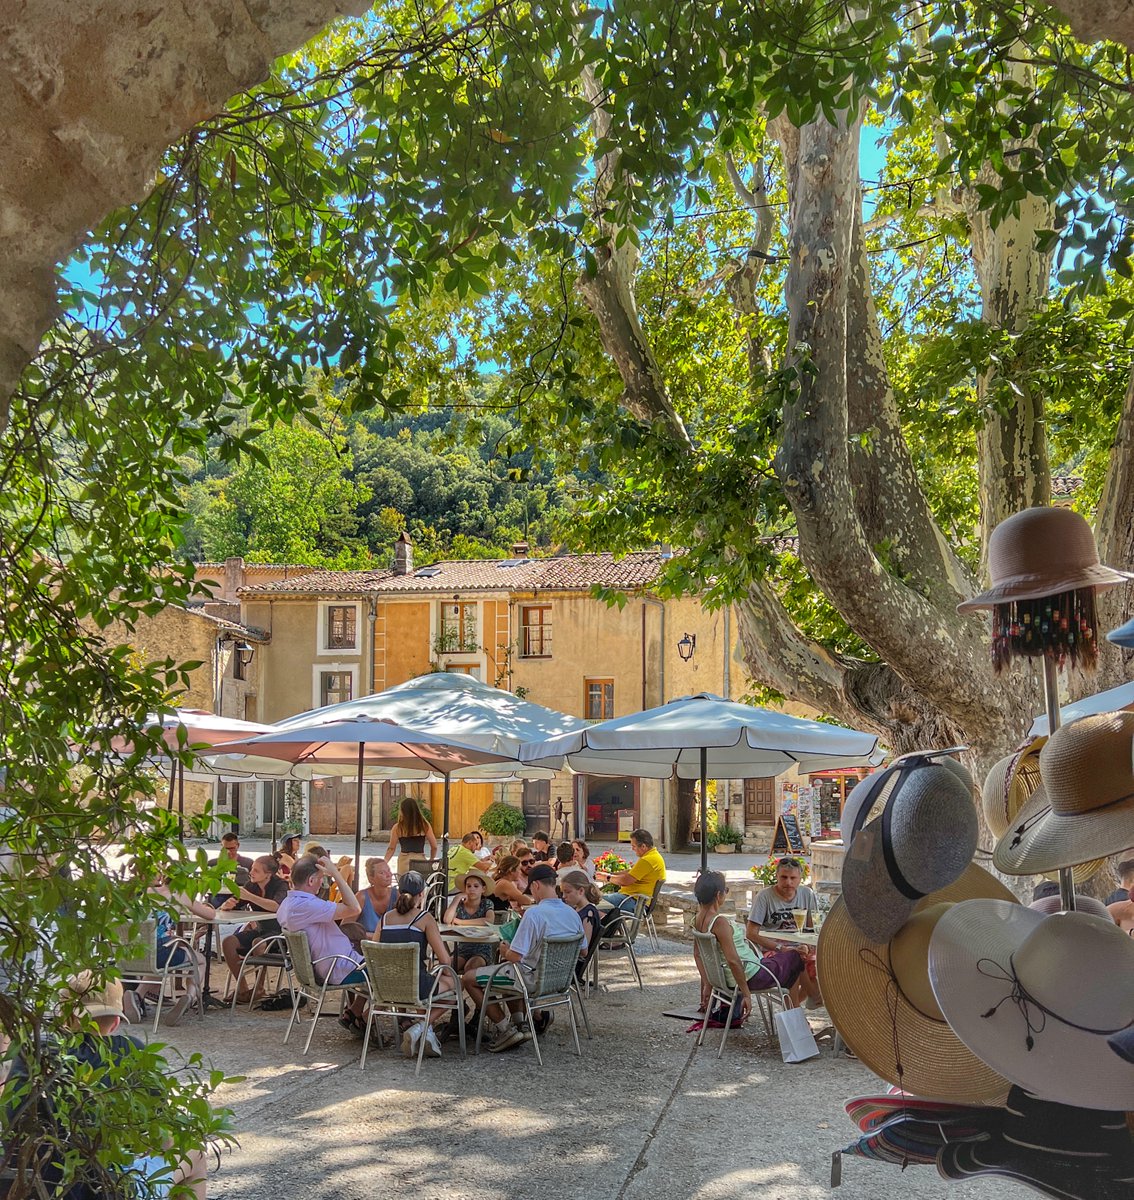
225, 920
460, 933
796, 937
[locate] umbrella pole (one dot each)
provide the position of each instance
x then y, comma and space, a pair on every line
445, 835
172, 784
1054, 720
358, 824
180, 799
274, 820
704, 809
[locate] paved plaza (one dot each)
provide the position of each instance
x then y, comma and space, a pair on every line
642, 1114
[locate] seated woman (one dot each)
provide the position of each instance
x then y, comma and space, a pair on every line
582, 858
482, 851
580, 893
410, 835
746, 967
507, 892
379, 896
408, 923
263, 895
287, 854
471, 906
168, 909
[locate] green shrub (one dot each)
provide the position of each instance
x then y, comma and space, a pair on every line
502, 820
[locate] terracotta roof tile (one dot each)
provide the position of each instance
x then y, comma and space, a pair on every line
567, 572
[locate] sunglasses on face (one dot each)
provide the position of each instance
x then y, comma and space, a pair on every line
527, 862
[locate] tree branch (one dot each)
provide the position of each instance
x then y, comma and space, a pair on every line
1115, 535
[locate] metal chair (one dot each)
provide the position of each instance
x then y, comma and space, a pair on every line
394, 974
727, 991
617, 936
145, 969
648, 920
436, 894
554, 985
271, 955
305, 983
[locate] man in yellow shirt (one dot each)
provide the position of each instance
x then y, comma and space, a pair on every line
461, 858
642, 876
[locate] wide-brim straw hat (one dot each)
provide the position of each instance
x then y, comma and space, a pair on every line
871, 1112
1061, 1151
889, 1029
924, 840
476, 873
1084, 807
96, 1000
1042, 552
1035, 997
1010, 784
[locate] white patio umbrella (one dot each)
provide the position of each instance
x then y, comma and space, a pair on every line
698, 736
1112, 700
450, 704
197, 732
363, 742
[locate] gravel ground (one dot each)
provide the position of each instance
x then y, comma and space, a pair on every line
642, 1114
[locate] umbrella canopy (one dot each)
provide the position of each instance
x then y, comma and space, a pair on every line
196, 728
1112, 700
454, 706
705, 736
363, 742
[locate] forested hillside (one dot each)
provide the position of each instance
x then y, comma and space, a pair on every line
339, 495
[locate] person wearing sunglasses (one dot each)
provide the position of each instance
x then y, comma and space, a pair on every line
511, 883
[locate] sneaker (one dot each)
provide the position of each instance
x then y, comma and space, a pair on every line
410, 1039
543, 1020
506, 1038
173, 1014
132, 1008
432, 1045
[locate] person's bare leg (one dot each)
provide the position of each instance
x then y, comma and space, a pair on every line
195, 1174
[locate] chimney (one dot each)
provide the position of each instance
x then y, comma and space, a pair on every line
403, 555
233, 579
519, 549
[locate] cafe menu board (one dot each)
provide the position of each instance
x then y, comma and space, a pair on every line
787, 839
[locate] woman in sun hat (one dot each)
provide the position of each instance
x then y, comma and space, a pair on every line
1036, 997
471, 906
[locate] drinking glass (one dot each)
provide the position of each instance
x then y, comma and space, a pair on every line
800, 915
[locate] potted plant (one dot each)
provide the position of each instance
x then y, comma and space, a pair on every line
501, 820
611, 863
726, 839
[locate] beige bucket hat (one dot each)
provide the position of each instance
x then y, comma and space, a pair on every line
1042, 552
1036, 997
1084, 806
881, 1001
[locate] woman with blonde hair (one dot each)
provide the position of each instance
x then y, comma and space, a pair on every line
580, 893
409, 836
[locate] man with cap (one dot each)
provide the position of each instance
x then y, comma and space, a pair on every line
102, 1056
548, 917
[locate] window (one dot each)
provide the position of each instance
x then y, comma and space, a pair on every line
342, 631
458, 632
535, 631
472, 669
335, 687
273, 795
599, 700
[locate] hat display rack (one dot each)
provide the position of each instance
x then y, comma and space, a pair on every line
970, 1005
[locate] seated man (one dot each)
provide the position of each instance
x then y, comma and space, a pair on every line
640, 879
76, 1067
541, 846
463, 857
548, 917
1122, 910
772, 908
1125, 873
303, 911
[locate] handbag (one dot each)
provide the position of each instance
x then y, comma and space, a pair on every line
797, 1042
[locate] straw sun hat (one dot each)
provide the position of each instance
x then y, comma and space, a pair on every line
1084, 808
923, 841
1036, 997
1042, 552
476, 873
881, 1002
1009, 785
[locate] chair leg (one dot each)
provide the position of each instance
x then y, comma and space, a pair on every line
583, 1009
421, 1040
160, 997
531, 1029
296, 994
731, 998
634, 963
574, 1024
315, 1018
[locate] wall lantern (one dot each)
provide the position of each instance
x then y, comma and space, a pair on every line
687, 646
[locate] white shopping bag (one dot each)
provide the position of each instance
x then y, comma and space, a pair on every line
797, 1042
